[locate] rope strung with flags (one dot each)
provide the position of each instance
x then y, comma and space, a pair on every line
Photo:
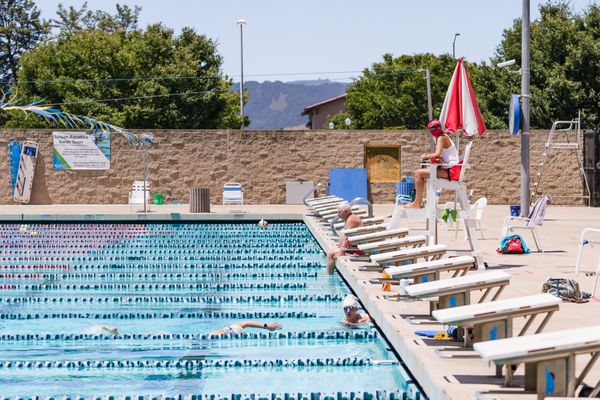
71, 121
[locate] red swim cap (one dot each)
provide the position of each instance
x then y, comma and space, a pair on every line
435, 127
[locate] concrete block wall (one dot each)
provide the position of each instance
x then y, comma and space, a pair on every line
262, 161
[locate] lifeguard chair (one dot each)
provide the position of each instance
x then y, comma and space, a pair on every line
431, 213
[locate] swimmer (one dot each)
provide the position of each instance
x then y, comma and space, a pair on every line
263, 224
239, 327
102, 329
351, 314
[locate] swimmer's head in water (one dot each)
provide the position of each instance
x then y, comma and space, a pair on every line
102, 330
350, 301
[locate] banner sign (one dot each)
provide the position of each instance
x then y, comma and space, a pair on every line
81, 151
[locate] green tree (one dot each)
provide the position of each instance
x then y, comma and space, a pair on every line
20, 30
565, 66
393, 93
71, 19
565, 77
138, 79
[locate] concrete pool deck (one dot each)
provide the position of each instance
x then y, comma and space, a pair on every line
459, 378
463, 378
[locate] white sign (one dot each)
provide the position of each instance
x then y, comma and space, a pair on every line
81, 150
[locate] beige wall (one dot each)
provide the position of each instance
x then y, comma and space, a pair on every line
262, 161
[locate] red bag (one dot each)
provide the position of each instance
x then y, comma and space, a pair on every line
514, 246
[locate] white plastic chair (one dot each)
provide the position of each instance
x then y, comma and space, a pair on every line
136, 196
535, 218
591, 242
233, 193
477, 214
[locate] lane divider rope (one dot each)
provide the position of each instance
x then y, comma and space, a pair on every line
199, 299
190, 364
160, 315
366, 334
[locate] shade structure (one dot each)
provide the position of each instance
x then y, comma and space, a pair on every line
460, 110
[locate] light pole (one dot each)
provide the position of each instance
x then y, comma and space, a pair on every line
241, 23
454, 45
429, 104
525, 95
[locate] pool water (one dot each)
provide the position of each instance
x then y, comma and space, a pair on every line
165, 287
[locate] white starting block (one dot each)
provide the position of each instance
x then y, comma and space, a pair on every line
376, 236
393, 244
455, 292
428, 271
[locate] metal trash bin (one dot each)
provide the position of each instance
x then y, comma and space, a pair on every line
200, 200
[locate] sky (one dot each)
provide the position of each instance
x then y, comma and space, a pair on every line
329, 39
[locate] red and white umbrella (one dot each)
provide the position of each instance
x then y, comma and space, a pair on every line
460, 110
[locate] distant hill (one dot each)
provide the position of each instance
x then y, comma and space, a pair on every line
278, 105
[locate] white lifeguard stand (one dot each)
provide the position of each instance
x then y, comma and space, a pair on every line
431, 213
564, 135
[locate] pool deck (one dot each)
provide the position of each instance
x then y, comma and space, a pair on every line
441, 378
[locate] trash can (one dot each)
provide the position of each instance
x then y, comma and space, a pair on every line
405, 188
159, 199
515, 210
200, 200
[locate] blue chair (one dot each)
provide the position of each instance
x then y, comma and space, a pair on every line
348, 183
233, 194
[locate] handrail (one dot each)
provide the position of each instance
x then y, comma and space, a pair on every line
574, 122
365, 201
311, 191
332, 224
582, 242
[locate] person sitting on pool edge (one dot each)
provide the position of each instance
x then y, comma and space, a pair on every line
351, 220
446, 153
239, 327
351, 314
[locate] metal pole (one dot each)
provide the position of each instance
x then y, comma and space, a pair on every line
525, 97
241, 23
454, 45
145, 174
429, 105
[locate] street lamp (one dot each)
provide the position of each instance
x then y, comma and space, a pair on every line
429, 103
525, 98
241, 23
525, 95
454, 45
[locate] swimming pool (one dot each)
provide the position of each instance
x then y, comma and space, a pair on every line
165, 286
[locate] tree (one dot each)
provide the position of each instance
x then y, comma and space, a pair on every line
565, 77
393, 93
140, 79
20, 30
71, 20
565, 66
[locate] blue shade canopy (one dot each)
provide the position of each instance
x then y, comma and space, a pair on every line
348, 183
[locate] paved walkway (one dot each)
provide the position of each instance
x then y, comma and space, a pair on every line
441, 378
